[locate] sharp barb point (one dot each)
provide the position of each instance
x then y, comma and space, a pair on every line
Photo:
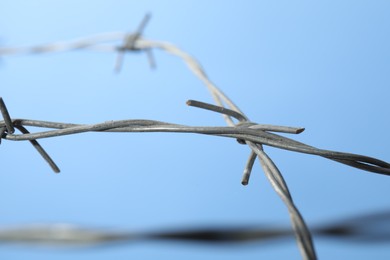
6, 117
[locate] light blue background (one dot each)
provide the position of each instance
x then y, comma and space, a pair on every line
323, 65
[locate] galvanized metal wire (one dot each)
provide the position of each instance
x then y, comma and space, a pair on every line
254, 135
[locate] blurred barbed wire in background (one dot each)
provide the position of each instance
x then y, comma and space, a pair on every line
365, 228
239, 126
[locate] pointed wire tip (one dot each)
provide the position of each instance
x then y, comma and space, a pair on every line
244, 183
6, 117
194, 103
247, 174
144, 21
248, 169
117, 68
40, 150
55, 168
151, 60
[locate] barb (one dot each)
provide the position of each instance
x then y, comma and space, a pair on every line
245, 132
40, 150
8, 127
248, 168
7, 119
129, 45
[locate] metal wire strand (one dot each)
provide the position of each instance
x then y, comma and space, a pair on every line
254, 135
246, 132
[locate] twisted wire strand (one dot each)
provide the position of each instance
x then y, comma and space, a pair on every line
372, 227
246, 132
257, 136
252, 135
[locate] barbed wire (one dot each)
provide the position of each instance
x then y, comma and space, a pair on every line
365, 228
254, 135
